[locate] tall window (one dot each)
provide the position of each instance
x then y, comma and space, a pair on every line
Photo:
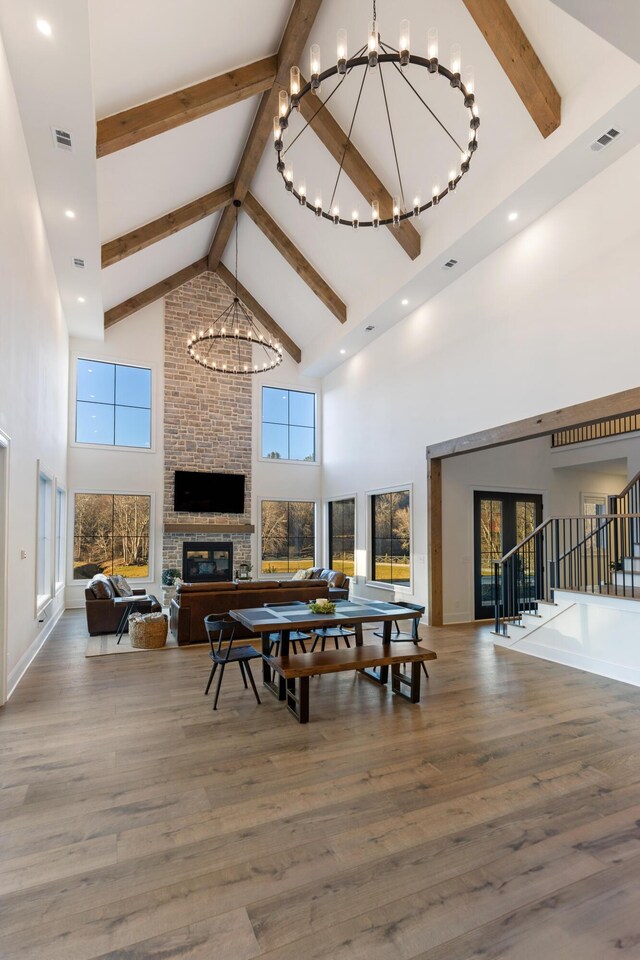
288, 424
111, 535
391, 537
61, 519
113, 404
43, 552
288, 535
342, 535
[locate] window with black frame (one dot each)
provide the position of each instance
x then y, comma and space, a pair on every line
111, 535
113, 404
342, 535
288, 535
288, 424
391, 537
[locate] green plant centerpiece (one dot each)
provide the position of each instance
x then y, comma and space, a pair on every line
323, 605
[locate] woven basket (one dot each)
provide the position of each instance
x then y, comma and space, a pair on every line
147, 632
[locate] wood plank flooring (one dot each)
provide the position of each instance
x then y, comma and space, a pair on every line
500, 818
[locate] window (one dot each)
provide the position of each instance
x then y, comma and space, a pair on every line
61, 517
111, 535
288, 535
342, 535
391, 537
288, 424
113, 404
43, 550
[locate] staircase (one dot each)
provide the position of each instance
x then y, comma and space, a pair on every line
569, 592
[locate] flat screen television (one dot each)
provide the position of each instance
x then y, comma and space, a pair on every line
208, 492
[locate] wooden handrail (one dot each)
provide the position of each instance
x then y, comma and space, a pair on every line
619, 496
599, 516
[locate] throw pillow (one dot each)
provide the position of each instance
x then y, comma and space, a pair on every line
121, 586
101, 588
299, 575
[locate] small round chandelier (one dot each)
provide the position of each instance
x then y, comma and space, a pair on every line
232, 340
375, 55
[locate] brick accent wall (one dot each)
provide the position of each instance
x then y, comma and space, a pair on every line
207, 416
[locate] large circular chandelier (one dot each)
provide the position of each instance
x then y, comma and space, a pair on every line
375, 55
230, 344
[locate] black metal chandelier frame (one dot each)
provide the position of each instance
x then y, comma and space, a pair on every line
242, 330
345, 67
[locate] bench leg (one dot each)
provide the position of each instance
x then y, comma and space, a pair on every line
298, 704
399, 681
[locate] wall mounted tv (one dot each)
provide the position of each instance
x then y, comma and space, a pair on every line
208, 492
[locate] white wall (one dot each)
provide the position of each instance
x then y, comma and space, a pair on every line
33, 374
139, 340
547, 320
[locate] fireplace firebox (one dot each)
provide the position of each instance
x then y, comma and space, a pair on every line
206, 562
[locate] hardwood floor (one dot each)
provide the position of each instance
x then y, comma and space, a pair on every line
497, 819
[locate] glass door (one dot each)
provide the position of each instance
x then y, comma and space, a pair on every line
502, 520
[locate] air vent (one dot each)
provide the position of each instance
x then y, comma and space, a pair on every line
605, 139
449, 264
78, 262
370, 328
61, 139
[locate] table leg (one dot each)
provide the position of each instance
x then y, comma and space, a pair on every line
125, 616
379, 674
266, 669
284, 652
358, 631
399, 680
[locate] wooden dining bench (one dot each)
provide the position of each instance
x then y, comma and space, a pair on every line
302, 666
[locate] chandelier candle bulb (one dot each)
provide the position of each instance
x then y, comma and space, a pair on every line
468, 84
302, 194
452, 180
375, 213
436, 196
355, 220
396, 211
288, 178
294, 87
372, 44
342, 51
315, 68
318, 206
432, 48
283, 108
335, 213
456, 64
404, 42
416, 206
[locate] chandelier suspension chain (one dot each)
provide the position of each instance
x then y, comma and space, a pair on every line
393, 139
348, 140
425, 104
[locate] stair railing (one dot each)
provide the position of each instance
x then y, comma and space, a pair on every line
592, 554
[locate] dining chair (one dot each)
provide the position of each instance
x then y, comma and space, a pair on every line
413, 636
295, 636
222, 652
323, 634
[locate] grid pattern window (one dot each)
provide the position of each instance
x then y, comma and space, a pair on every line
44, 544
113, 404
111, 535
391, 537
288, 424
342, 535
288, 535
61, 519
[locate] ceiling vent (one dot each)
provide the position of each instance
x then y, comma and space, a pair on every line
61, 138
370, 328
78, 262
605, 139
449, 264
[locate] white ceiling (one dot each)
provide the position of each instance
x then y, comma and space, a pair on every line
145, 49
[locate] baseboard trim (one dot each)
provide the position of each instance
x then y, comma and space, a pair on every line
27, 658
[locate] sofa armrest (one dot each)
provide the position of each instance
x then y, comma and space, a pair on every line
180, 623
139, 592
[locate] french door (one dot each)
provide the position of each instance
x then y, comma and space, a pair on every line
501, 520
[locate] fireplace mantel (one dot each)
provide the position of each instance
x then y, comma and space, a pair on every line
209, 528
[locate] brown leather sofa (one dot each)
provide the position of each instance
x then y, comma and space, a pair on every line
194, 601
103, 616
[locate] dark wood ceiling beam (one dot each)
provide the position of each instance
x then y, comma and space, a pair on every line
156, 292
294, 257
519, 61
291, 48
260, 313
163, 227
359, 172
157, 116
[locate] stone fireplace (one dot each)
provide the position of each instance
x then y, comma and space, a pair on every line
206, 562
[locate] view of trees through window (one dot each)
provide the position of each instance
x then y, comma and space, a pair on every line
111, 535
288, 535
391, 536
342, 535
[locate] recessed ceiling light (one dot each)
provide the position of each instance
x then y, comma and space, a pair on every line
343, 351
405, 302
70, 214
81, 300
513, 216
44, 27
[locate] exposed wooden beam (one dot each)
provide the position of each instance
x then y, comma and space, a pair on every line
294, 257
149, 119
156, 292
260, 313
434, 532
163, 227
519, 61
291, 48
359, 172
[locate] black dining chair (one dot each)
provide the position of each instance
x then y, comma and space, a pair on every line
412, 636
323, 634
222, 652
295, 636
